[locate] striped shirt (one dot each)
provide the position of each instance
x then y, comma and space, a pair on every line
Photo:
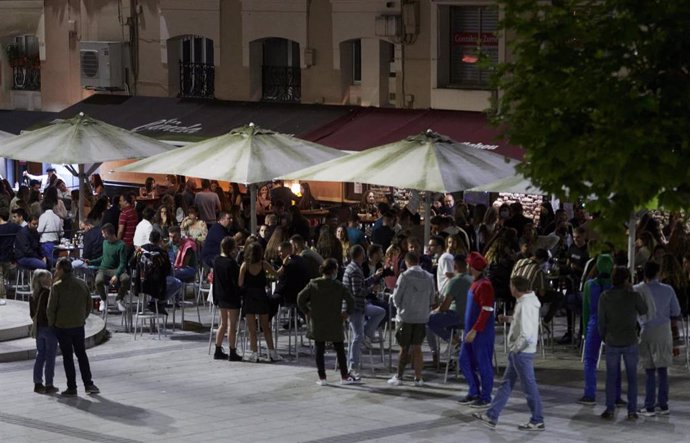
128, 219
531, 270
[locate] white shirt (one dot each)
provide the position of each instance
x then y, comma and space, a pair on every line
43, 179
446, 264
524, 330
142, 233
50, 227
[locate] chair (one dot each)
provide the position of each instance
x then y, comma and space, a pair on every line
22, 286
184, 303
154, 318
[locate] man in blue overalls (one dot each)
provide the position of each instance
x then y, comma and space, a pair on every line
477, 349
592, 291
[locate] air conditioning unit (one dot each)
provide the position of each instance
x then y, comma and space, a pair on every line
102, 65
388, 26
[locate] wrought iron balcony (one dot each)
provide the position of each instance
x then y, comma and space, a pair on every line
26, 78
281, 84
197, 80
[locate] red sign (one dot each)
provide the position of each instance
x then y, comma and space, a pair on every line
475, 39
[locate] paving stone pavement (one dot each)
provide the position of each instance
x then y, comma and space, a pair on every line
171, 390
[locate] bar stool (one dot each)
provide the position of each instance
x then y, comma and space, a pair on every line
154, 317
453, 351
293, 328
22, 286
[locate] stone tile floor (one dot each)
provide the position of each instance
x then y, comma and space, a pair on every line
171, 390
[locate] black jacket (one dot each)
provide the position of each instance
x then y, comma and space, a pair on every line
294, 278
27, 244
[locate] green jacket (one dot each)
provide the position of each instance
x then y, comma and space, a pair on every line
69, 303
322, 302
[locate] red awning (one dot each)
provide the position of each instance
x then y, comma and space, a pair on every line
365, 128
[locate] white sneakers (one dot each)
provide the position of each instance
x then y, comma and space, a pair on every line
101, 306
322, 382
394, 381
253, 358
274, 356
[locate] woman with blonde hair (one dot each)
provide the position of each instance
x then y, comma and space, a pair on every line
46, 340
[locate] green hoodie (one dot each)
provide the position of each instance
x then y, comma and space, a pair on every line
604, 266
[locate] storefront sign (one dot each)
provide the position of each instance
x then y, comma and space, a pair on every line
475, 39
172, 126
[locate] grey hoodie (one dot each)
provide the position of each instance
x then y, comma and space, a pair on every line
414, 295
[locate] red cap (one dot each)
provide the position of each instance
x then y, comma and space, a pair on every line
477, 261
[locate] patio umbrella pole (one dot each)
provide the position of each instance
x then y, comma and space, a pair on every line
427, 218
632, 226
253, 188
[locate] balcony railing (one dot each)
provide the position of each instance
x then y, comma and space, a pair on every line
26, 78
281, 84
197, 80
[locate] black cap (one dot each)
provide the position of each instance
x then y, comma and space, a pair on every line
50, 170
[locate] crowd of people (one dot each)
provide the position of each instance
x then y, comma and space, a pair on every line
479, 261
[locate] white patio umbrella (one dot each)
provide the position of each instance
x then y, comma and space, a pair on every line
516, 184
80, 140
248, 154
425, 162
5, 135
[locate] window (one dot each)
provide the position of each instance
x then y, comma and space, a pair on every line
197, 70
281, 75
356, 62
471, 30
24, 59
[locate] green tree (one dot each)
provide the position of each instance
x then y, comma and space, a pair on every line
598, 95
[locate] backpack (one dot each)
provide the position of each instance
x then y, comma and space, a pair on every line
150, 272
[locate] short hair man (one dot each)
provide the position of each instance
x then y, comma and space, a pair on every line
619, 308
522, 345
365, 318
159, 284
312, 259
112, 265
451, 312
656, 341
19, 217
208, 203
477, 349
216, 234
69, 305
413, 296
127, 222
182, 252
293, 275
27, 246
144, 228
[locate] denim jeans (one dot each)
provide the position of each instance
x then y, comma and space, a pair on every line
31, 263
520, 365
186, 274
592, 347
475, 362
362, 323
46, 350
613, 372
440, 324
172, 288
71, 342
650, 388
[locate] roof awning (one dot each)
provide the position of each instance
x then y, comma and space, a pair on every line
170, 118
368, 127
14, 122
343, 127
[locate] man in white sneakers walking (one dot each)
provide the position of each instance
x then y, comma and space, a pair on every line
522, 345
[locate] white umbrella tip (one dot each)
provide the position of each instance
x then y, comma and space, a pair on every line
81, 114
251, 124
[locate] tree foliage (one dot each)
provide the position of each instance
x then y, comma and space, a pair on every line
598, 95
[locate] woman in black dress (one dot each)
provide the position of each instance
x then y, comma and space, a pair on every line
226, 296
253, 279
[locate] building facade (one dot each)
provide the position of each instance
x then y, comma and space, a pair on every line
402, 53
